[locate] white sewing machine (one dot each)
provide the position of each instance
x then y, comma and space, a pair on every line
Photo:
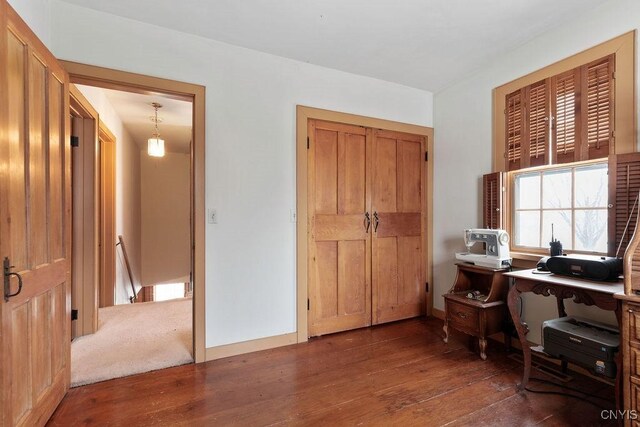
497, 248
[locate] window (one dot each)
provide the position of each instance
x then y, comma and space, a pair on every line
564, 112
564, 118
168, 291
571, 199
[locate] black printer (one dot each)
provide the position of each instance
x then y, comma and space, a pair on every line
584, 342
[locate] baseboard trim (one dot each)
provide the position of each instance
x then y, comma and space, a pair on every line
438, 314
228, 350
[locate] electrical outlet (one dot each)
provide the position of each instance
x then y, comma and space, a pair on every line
212, 216
293, 217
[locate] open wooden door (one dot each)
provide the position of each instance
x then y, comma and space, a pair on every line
399, 207
35, 232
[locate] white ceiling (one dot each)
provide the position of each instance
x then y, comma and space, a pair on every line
135, 111
426, 44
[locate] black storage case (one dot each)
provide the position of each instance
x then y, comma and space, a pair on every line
584, 342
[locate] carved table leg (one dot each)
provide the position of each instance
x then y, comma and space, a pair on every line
483, 348
512, 303
445, 328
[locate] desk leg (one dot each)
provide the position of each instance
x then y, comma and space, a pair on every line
523, 330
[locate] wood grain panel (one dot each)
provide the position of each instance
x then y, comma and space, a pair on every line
410, 271
326, 179
351, 175
21, 395
385, 181
58, 335
385, 274
410, 162
41, 344
56, 169
18, 179
352, 277
399, 224
340, 227
326, 301
38, 164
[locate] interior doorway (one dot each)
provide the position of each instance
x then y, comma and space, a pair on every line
183, 270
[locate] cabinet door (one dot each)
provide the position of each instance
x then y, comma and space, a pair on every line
339, 242
399, 204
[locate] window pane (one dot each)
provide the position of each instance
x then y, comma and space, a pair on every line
527, 229
556, 189
591, 230
528, 191
591, 187
561, 221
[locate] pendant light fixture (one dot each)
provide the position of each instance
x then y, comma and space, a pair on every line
155, 145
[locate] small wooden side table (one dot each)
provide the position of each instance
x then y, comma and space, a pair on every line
482, 316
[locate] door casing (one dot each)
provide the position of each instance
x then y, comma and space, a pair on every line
137, 83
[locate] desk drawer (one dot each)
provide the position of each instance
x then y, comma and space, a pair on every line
634, 322
463, 317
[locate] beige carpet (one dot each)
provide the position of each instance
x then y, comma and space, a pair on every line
134, 338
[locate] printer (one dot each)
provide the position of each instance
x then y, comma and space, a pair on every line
590, 344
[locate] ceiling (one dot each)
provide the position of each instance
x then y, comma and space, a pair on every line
425, 44
135, 111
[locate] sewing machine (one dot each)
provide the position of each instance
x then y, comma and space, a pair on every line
496, 245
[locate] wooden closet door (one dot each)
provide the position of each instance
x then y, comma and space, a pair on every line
35, 228
399, 203
339, 241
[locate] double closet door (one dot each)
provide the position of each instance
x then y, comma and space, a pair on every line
367, 205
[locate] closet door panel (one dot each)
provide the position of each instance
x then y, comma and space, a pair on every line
398, 270
339, 243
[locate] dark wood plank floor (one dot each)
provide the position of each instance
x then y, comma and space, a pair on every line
394, 374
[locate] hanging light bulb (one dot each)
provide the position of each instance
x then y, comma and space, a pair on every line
155, 145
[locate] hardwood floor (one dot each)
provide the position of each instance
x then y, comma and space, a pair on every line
394, 374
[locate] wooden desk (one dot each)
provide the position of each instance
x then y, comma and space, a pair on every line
600, 294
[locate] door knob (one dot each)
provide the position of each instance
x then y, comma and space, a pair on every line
7, 273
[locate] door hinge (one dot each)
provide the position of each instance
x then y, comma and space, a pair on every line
426, 156
308, 305
307, 143
75, 141
426, 286
74, 314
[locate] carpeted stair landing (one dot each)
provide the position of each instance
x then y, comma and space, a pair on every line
132, 339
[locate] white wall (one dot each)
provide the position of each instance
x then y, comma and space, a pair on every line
36, 13
463, 142
127, 193
250, 151
165, 208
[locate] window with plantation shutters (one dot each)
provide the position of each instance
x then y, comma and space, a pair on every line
624, 187
537, 123
599, 112
492, 185
514, 129
561, 119
564, 111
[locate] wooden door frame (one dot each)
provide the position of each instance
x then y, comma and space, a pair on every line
303, 114
85, 279
107, 282
137, 83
